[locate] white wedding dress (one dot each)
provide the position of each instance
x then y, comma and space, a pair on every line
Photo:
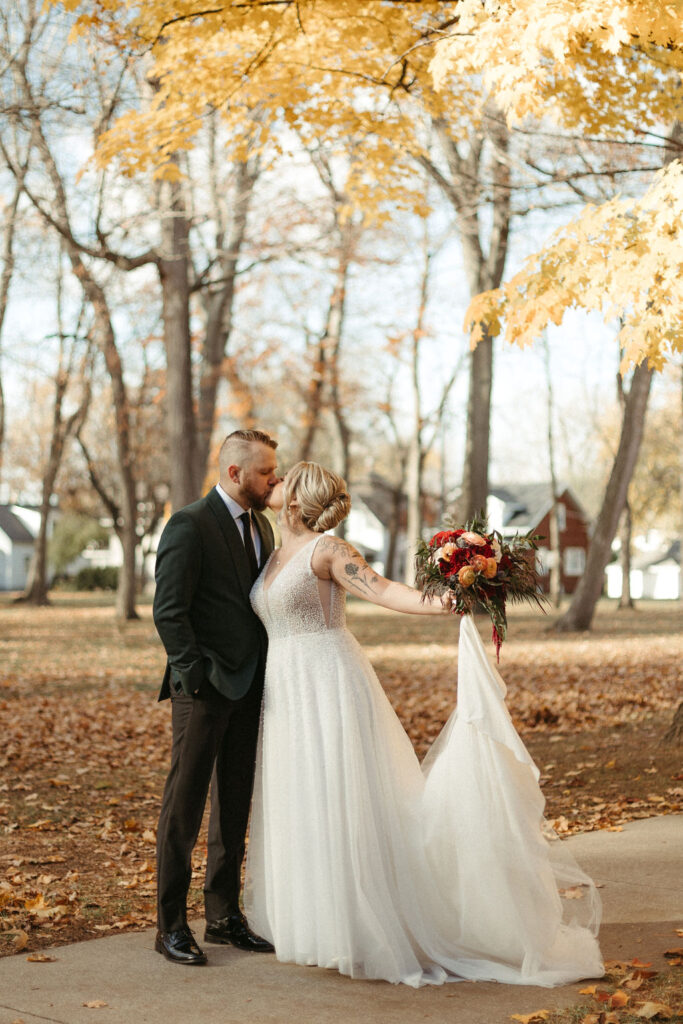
361, 860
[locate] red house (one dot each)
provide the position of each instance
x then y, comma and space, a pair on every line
519, 508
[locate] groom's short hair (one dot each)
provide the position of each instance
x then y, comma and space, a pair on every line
235, 448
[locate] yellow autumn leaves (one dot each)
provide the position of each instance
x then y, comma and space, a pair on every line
624, 257
612, 70
606, 69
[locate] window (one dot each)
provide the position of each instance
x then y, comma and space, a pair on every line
542, 561
561, 516
574, 561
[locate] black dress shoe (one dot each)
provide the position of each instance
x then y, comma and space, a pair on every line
235, 931
179, 947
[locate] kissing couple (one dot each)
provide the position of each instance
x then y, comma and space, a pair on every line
359, 858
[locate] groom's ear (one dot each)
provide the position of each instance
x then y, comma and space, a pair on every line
234, 473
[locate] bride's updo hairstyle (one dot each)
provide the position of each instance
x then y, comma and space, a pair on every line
321, 498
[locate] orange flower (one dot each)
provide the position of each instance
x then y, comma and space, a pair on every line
473, 538
466, 576
478, 563
491, 568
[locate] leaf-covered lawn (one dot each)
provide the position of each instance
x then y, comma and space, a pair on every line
85, 745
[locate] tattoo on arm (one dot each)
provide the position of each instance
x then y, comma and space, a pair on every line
361, 577
357, 573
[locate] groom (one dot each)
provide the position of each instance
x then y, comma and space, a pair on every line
209, 555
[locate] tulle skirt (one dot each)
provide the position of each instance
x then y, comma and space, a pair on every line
362, 860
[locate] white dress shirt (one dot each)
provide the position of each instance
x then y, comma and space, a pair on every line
236, 510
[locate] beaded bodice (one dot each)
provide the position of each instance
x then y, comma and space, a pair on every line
295, 601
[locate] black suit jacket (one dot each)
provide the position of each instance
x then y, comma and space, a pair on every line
201, 603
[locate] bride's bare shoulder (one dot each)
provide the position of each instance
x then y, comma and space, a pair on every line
332, 554
328, 549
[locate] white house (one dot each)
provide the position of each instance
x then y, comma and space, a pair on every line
16, 545
19, 526
655, 574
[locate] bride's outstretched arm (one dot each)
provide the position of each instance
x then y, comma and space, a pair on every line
338, 560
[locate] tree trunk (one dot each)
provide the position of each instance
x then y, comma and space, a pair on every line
414, 459
335, 332
5, 281
579, 615
36, 591
625, 529
674, 734
126, 589
347, 232
414, 503
325, 373
475, 483
554, 539
36, 586
219, 306
391, 569
680, 486
58, 216
555, 559
464, 187
175, 291
314, 398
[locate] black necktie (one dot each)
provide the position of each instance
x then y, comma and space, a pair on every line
249, 543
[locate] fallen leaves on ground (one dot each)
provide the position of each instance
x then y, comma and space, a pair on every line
537, 1017
86, 746
618, 1006
651, 1010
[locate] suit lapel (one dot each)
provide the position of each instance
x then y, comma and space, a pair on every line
231, 535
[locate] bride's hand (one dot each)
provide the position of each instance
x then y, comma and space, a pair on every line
448, 601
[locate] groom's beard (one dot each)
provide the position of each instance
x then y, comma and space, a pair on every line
256, 501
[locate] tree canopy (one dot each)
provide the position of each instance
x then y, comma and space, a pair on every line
604, 70
623, 257
331, 69
612, 71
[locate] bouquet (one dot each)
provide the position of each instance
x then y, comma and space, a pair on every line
481, 569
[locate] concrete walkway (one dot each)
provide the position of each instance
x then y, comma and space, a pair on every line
640, 871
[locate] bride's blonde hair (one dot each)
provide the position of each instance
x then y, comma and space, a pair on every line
321, 496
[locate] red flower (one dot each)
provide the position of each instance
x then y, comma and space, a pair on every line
439, 539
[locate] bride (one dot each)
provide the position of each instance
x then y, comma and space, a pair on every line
361, 860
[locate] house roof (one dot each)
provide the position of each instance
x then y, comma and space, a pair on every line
527, 504
12, 525
649, 559
379, 496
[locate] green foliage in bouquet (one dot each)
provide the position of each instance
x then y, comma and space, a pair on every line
481, 569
